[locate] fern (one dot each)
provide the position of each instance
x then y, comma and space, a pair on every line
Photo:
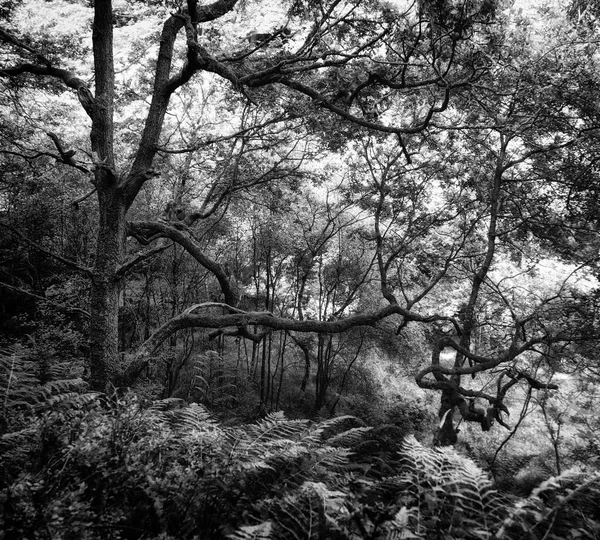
15, 446
351, 437
189, 476
253, 532
21, 387
436, 493
276, 426
565, 506
31, 409
213, 381
194, 417
402, 526
166, 404
311, 512
61, 386
18, 383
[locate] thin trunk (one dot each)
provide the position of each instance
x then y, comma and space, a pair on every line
345, 376
268, 346
263, 373
446, 435
320, 384
282, 347
306, 351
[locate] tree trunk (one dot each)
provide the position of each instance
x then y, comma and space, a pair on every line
446, 434
104, 325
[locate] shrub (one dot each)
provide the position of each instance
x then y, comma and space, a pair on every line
115, 469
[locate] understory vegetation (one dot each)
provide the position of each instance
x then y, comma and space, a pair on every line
83, 465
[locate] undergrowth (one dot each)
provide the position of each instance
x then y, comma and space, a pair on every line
87, 467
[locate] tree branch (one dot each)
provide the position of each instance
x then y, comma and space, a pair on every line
241, 320
66, 156
78, 200
138, 258
185, 240
69, 78
210, 12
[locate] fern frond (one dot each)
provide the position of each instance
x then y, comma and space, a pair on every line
193, 417
300, 516
475, 496
350, 437
333, 501
214, 380
166, 404
564, 506
402, 526
449, 490
276, 426
333, 459
64, 370
16, 447
18, 380
71, 400
62, 386
338, 424
18, 438
262, 531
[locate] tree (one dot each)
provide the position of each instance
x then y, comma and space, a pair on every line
527, 128
339, 44
451, 119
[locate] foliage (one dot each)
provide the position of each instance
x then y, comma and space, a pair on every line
259, 199
118, 469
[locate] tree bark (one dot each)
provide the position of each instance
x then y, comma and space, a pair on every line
104, 327
104, 324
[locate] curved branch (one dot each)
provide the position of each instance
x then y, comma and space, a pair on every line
69, 78
210, 12
375, 126
128, 265
185, 240
66, 156
78, 200
239, 321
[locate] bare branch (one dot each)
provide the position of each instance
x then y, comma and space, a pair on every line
339, 111
239, 321
66, 156
78, 200
69, 78
138, 258
210, 12
184, 239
